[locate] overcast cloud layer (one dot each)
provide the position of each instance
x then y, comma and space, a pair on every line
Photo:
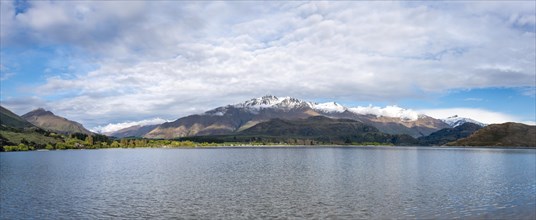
170, 59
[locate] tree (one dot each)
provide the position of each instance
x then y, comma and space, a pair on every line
23, 147
100, 138
79, 136
115, 144
124, 142
89, 140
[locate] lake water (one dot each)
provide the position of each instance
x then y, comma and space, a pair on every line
243, 183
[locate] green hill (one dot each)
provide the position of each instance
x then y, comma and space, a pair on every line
16, 134
9, 119
504, 135
14, 130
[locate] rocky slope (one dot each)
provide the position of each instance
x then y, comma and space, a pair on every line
48, 121
133, 131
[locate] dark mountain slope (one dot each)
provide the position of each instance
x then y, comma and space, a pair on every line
313, 126
9, 119
327, 130
447, 135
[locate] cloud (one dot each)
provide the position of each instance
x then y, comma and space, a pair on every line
528, 91
118, 126
166, 59
388, 111
5, 73
481, 115
529, 122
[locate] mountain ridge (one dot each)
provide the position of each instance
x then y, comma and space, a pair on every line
49, 121
310, 131
237, 117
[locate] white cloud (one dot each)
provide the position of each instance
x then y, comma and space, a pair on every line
5, 73
529, 91
118, 126
388, 111
529, 122
481, 115
169, 60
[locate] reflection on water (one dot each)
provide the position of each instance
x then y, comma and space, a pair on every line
375, 182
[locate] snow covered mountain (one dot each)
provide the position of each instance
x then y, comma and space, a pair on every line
329, 107
455, 121
279, 103
284, 103
289, 103
238, 117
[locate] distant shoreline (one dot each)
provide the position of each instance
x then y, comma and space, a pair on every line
302, 146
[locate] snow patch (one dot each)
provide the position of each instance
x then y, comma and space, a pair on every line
217, 111
455, 121
286, 103
329, 107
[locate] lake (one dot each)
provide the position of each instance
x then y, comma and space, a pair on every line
292, 182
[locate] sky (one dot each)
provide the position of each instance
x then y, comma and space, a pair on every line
121, 62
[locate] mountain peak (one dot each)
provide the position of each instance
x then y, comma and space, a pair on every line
289, 103
269, 97
329, 107
244, 115
455, 121
38, 112
270, 101
49, 121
